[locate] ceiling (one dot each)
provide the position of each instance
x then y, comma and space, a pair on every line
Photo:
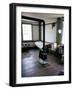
47, 17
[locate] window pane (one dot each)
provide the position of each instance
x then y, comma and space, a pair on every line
27, 32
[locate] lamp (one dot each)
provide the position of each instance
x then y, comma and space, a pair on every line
59, 31
55, 45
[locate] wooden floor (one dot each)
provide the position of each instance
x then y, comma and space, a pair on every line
31, 66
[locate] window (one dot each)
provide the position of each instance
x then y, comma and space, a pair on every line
27, 32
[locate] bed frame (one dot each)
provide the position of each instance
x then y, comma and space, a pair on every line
42, 53
40, 21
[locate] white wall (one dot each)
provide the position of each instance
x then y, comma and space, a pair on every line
50, 33
35, 32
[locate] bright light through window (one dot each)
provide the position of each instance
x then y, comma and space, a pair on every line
27, 32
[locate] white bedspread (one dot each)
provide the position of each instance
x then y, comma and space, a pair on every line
39, 44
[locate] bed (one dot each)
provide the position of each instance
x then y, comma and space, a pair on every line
39, 44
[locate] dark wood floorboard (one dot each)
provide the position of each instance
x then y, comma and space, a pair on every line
31, 66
